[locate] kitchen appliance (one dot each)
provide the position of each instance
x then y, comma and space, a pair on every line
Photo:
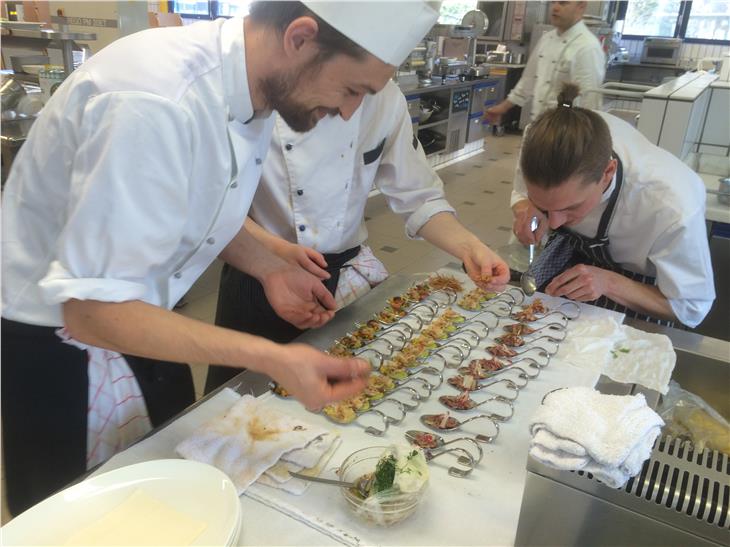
664, 51
476, 19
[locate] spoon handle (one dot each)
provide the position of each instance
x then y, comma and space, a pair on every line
332, 482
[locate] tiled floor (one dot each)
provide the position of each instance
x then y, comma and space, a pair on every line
477, 187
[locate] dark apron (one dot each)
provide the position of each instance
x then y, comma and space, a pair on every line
566, 248
243, 306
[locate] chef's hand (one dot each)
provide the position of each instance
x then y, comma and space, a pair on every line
494, 114
523, 212
582, 283
315, 378
306, 257
485, 267
299, 297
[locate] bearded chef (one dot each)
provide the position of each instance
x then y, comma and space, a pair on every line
139, 173
309, 209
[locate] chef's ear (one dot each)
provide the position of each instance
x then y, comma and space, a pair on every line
610, 170
300, 38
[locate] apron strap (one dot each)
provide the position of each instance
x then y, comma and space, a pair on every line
607, 217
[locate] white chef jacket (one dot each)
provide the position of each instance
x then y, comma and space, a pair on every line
658, 227
315, 185
126, 187
574, 56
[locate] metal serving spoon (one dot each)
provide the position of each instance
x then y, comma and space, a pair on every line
432, 440
527, 280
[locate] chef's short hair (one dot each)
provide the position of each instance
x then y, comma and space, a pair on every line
279, 15
564, 142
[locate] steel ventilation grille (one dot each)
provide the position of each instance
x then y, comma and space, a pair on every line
678, 477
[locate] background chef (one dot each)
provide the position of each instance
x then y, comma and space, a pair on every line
138, 173
312, 200
568, 53
629, 217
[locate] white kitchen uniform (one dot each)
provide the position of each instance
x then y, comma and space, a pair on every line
127, 187
315, 185
658, 227
130, 183
575, 56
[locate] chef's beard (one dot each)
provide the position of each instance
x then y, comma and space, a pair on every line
279, 91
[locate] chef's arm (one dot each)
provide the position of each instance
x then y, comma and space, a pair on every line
311, 260
138, 328
586, 283
640, 297
295, 294
448, 234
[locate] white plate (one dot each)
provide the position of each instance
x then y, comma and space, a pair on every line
191, 488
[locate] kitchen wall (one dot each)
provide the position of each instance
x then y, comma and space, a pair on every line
689, 54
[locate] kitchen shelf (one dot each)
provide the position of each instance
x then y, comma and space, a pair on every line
432, 124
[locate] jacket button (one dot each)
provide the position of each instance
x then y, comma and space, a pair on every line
177, 275
300, 192
234, 184
210, 240
302, 227
258, 161
288, 146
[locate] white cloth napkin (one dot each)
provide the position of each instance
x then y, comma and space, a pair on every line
622, 353
609, 436
247, 440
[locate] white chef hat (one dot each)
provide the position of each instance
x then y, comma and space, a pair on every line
388, 29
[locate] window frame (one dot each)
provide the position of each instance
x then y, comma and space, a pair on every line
680, 28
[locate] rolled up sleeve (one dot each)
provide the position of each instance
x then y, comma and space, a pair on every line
128, 201
410, 185
681, 256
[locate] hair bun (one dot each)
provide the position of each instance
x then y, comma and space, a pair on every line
567, 94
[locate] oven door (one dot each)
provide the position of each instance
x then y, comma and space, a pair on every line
664, 54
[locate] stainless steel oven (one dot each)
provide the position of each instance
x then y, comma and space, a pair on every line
664, 51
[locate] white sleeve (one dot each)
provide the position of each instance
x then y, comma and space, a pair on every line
681, 256
128, 201
410, 185
519, 190
588, 71
525, 88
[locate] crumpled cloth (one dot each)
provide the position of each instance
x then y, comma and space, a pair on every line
609, 436
247, 440
622, 353
117, 413
365, 271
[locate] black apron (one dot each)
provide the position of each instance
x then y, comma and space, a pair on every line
243, 306
566, 248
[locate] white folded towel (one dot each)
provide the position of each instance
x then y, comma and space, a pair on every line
609, 436
247, 440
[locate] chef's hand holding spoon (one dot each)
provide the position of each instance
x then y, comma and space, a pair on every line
523, 212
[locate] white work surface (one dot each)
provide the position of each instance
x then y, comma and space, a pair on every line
482, 509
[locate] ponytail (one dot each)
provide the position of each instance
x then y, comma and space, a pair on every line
564, 142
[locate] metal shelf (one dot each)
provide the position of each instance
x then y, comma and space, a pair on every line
432, 124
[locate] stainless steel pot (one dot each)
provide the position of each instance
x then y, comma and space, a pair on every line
11, 91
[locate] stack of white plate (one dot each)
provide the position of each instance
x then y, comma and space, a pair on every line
190, 489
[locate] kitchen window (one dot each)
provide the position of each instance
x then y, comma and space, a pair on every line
706, 21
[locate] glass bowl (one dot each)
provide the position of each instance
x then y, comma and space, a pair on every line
384, 508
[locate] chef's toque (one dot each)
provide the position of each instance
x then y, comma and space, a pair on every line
387, 29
